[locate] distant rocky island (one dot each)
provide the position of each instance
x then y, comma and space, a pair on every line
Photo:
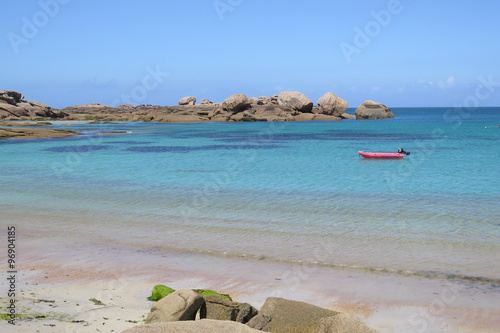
287, 106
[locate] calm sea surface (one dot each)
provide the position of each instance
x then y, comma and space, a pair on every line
294, 191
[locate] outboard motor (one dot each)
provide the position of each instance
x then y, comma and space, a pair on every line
402, 151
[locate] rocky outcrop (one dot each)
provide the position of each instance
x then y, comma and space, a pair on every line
14, 106
11, 97
274, 112
219, 115
291, 316
347, 116
13, 111
304, 117
188, 100
31, 133
295, 100
236, 103
199, 326
332, 105
206, 101
287, 106
217, 307
273, 100
373, 110
236, 108
263, 100
246, 116
177, 306
94, 106
326, 117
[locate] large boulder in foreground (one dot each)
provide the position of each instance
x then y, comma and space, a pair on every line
332, 105
220, 308
199, 326
236, 103
290, 316
295, 100
373, 110
343, 323
177, 306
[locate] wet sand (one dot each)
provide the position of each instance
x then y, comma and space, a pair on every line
59, 272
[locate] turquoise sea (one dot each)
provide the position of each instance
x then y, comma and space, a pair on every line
287, 191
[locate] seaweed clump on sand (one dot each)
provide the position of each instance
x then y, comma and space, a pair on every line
159, 291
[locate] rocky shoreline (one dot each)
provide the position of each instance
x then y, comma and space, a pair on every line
13, 130
192, 311
287, 106
13, 106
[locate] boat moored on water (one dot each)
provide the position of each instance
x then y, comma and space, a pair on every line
366, 154
400, 154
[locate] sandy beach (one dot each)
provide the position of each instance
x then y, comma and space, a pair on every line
56, 281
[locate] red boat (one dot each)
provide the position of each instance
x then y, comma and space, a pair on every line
366, 154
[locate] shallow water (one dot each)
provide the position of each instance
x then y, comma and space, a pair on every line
293, 191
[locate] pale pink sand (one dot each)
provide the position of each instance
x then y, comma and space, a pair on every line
122, 277
69, 265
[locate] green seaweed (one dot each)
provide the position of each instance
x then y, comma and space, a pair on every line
4, 316
159, 291
208, 292
62, 317
96, 301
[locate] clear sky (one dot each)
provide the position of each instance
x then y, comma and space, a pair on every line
397, 52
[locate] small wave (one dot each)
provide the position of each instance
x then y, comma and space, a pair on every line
493, 282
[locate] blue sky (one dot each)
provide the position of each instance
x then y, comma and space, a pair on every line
397, 52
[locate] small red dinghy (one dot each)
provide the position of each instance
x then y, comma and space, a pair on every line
366, 154
400, 154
